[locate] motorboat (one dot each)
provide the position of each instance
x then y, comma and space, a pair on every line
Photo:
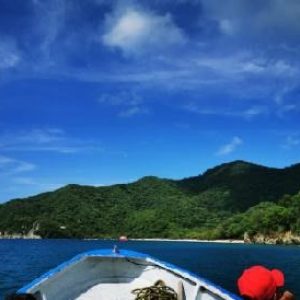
113, 274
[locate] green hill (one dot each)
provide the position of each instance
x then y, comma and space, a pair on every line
225, 201
248, 184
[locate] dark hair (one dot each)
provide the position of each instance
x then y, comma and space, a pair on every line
20, 297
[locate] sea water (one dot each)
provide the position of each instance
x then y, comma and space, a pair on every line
23, 260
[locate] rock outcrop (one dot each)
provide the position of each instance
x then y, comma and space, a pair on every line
31, 234
284, 238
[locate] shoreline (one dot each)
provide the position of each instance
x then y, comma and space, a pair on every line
220, 241
189, 240
116, 240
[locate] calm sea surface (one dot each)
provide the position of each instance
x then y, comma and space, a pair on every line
23, 260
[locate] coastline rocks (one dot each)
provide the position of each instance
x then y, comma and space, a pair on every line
275, 238
15, 235
31, 234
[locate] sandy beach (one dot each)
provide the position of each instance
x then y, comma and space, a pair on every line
190, 240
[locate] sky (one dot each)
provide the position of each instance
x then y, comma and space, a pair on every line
100, 92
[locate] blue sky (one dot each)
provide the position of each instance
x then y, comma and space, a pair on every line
100, 92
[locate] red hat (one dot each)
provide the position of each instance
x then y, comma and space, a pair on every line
278, 277
259, 283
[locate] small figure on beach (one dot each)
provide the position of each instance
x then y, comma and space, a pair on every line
260, 283
123, 238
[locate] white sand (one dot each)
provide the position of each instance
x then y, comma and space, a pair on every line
191, 240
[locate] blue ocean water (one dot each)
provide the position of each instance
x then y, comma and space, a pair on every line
23, 260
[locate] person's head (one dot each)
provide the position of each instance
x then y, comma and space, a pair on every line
260, 283
20, 297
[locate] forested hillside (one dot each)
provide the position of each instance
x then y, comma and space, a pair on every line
224, 202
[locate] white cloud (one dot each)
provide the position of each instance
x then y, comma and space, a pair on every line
41, 136
135, 31
227, 26
247, 113
132, 111
261, 18
291, 141
288, 108
252, 67
121, 98
282, 94
5, 160
9, 54
31, 139
284, 68
23, 167
9, 166
247, 64
230, 147
286, 100
28, 181
255, 111
24, 181
57, 149
48, 139
50, 17
128, 103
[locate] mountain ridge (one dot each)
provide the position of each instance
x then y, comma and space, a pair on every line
159, 207
184, 179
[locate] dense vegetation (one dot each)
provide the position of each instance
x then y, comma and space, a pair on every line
224, 202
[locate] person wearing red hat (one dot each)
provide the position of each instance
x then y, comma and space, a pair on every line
260, 283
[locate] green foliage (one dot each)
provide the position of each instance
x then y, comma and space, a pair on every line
265, 218
224, 202
247, 183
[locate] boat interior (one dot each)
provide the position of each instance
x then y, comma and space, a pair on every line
116, 279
